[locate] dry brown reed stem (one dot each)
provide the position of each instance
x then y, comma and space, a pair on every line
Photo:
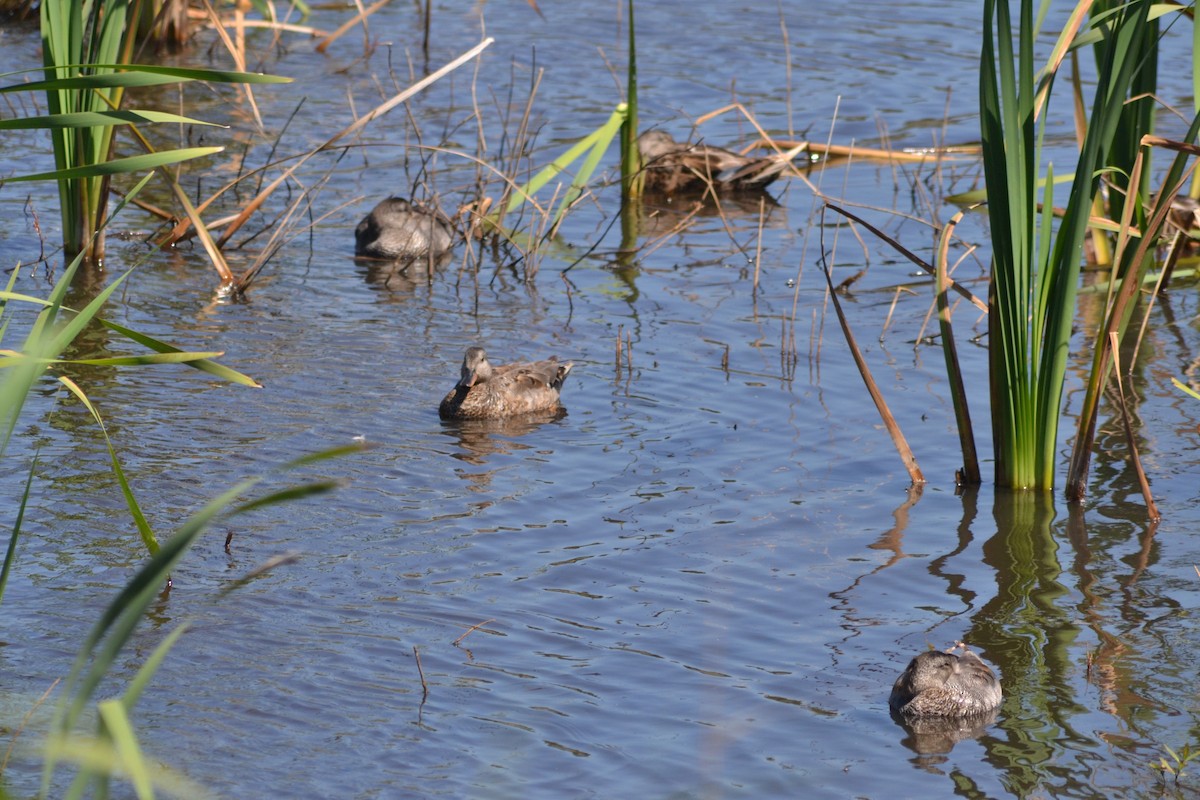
471, 630
970, 474
762, 218
889, 419
1116, 308
342, 29
852, 151
911, 256
211, 248
421, 674
362, 122
887, 320
617, 364
237, 51
1131, 440
787, 72
282, 233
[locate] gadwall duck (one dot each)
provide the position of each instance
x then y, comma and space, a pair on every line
397, 229
943, 684
673, 167
488, 392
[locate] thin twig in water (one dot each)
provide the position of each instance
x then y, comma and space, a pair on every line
471, 630
620, 345
421, 673
762, 218
1143, 483
889, 420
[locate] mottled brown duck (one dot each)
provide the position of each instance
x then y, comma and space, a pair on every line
672, 167
494, 392
944, 684
397, 229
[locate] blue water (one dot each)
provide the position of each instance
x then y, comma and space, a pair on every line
701, 581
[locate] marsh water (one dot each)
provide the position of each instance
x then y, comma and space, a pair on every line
704, 578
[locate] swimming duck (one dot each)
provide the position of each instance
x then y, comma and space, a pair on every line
398, 229
943, 684
488, 392
672, 167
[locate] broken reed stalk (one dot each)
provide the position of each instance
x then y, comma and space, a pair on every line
889, 420
1134, 458
471, 630
421, 674
762, 219
970, 474
323, 45
620, 344
1123, 295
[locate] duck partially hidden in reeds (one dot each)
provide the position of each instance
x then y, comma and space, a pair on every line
672, 167
494, 392
944, 684
397, 229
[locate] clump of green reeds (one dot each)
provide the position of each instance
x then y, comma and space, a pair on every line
86, 51
1037, 255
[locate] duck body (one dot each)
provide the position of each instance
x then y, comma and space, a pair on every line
944, 684
397, 229
485, 391
672, 167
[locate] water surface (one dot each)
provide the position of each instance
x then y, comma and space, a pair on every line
701, 581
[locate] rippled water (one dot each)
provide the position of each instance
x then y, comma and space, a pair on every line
701, 581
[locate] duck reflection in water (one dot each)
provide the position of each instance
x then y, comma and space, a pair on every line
943, 698
479, 439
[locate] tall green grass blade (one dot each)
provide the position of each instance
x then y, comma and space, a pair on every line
133, 76
133, 692
10, 554
602, 140
631, 162
204, 365
119, 730
1185, 388
89, 119
116, 624
599, 138
16, 383
135, 511
119, 166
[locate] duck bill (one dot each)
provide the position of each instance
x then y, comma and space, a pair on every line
467, 380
